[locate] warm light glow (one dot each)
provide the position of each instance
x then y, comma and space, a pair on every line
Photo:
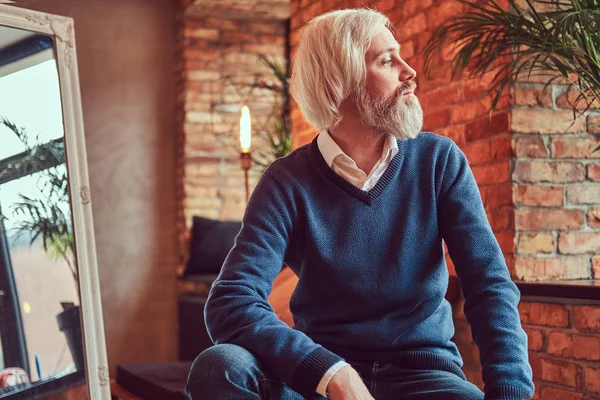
26, 307
245, 124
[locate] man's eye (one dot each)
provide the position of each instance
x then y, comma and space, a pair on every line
387, 62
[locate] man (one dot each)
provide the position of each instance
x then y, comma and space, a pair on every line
359, 215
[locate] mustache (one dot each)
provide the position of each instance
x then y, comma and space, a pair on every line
406, 86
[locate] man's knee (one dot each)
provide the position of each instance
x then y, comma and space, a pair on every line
220, 360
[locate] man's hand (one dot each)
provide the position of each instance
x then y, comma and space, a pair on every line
346, 384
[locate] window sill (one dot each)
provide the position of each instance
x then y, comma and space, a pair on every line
576, 289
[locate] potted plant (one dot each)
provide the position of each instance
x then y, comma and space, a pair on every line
561, 43
47, 217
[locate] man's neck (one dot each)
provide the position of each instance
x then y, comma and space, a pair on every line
363, 145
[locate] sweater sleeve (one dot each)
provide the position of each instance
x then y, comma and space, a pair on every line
237, 310
491, 298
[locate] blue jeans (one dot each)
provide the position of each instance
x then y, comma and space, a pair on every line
228, 372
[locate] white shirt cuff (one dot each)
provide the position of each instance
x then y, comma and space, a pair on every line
322, 387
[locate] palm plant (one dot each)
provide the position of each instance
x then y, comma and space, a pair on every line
46, 216
563, 43
279, 134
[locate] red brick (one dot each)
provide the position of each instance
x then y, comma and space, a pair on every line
280, 40
501, 148
548, 269
506, 241
583, 194
410, 8
530, 147
501, 220
237, 37
596, 267
579, 242
593, 172
551, 196
550, 393
474, 88
269, 49
314, 9
544, 77
202, 33
593, 218
220, 23
553, 171
264, 27
593, 124
477, 152
574, 147
464, 112
546, 219
239, 58
436, 119
586, 318
572, 97
385, 5
574, 346
538, 242
545, 121
485, 127
413, 26
498, 196
592, 379
437, 15
195, 64
408, 49
491, 174
201, 54
448, 94
454, 132
545, 314
535, 338
555, 371
533, 95
539, 7
395, 16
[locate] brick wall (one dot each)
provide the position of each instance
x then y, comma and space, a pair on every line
556, 196
564, 347
537, 182
217, 53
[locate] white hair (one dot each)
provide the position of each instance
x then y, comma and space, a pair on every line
329, 63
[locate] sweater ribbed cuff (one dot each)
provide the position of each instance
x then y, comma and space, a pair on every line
506, 392
311, 370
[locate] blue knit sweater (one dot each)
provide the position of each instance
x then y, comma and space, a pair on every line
371, 268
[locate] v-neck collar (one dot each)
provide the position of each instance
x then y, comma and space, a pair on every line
365, 196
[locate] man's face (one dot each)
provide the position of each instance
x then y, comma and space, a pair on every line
387, 102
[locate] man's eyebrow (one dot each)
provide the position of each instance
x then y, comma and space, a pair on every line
388, 50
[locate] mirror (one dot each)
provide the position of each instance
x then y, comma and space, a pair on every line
51, 331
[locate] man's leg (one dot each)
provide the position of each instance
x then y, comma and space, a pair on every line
391, 382
230, 372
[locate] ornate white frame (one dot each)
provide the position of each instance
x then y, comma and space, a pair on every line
61, 29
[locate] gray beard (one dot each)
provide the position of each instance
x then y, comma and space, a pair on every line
401, 116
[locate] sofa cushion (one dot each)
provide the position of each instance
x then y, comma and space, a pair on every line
155, 381
210, 242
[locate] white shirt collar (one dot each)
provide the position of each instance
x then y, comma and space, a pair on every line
330, 149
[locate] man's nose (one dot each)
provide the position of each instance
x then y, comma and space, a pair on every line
406, 72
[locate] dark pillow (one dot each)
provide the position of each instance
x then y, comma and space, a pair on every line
210, 242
